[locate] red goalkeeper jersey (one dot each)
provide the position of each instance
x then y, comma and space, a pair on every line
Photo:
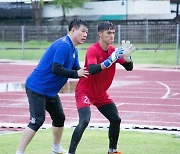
95, 86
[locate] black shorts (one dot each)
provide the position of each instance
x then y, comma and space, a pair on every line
39, 104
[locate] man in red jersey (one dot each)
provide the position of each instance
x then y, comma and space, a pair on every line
101, 59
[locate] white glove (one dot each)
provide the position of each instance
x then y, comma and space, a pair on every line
128, 48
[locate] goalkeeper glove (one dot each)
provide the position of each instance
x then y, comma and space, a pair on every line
113, 57
128, 48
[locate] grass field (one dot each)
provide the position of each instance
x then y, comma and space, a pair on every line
166, 57
96, 142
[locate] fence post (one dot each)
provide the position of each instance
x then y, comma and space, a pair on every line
119, 35
46, 33
67, 30
3, 33
177, 44
22, 41
147, 31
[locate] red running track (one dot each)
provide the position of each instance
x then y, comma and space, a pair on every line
144, 97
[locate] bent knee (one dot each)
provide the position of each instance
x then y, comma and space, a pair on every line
116, 121
59, 121
35, 124
84, 123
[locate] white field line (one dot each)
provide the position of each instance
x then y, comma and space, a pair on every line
142, 112
130, 97
140, 104
124, 127
134, 92
144, 121
95, 110
14, 93
100, 119
167, 122
113, 96
12, 99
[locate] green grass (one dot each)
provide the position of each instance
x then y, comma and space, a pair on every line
165, 57
96, 142
151, 57
29, 44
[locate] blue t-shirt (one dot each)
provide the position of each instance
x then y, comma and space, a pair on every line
42, 80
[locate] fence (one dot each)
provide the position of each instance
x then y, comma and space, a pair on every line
135, 33
146, 37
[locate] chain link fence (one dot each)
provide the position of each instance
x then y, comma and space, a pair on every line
145, 37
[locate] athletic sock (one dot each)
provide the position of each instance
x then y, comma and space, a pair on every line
112, 150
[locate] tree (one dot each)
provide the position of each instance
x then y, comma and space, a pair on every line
37, 7
68, 4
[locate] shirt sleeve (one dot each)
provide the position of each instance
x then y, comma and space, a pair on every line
59, 70
126, 65
94, 68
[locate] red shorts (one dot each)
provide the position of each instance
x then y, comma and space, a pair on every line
83, 100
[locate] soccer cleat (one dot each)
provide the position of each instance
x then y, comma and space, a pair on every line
115, 152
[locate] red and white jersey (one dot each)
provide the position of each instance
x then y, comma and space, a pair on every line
95, 86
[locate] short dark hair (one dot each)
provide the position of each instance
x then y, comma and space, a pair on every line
105, 25
76, 23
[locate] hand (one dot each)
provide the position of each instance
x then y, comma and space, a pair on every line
128, 48
82, 72
113, 57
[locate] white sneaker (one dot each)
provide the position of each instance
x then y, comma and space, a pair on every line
62, 151
19, 152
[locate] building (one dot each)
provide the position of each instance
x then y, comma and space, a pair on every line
119, 11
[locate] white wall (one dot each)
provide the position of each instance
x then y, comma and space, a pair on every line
151, 7
112, 8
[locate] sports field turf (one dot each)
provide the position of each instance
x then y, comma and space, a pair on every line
166, 57
95, 142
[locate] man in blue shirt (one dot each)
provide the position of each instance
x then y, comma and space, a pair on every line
59, 62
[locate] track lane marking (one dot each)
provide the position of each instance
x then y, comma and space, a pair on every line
167, 88
167, 95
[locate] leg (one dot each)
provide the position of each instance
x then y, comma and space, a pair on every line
111, 113
37, 117
84, 118
54, 107
25, 140
57, 134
